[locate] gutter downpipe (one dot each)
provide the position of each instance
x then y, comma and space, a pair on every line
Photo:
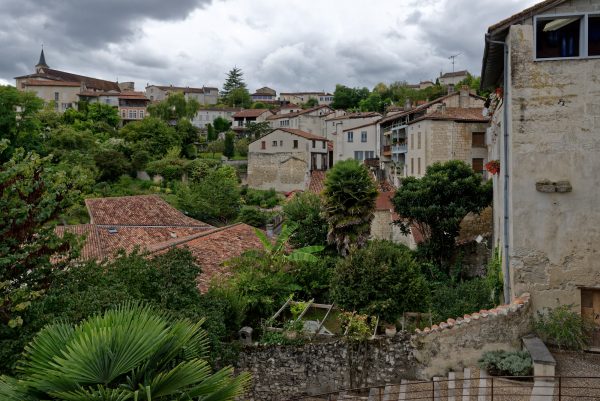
504, 166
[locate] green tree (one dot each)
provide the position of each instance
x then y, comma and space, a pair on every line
216, 198
438, 202
19, 122
258, 130
305, 211
32, 196
382, 279
152, 135
239, 97
374, 102
348, 98
349, 204
132, 352
235, 80
241, 147
215, 147
103, 113
112, 164
312, 102
174, 108
229, 148
189, 137
211, 135
221, 125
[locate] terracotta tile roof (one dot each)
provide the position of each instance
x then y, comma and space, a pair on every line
518, 304
42, 82
291, 106
250, 113
91, 249
456, 114
141, 210
527, 13
298, 113
303, 134
384, 201
374, 122
317, 181
355, 115
213, 248
306, 93
186, 89
133, 95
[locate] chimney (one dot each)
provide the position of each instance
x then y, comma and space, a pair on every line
463, 101
407, 104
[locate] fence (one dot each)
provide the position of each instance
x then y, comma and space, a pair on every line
523, 388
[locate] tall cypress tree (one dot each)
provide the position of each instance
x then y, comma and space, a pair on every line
234, 80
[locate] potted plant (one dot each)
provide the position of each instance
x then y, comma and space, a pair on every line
390, 330
493, 167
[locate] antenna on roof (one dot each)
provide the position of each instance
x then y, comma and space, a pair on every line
453, 58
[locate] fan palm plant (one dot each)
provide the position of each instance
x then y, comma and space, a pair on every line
277, 249
129, 353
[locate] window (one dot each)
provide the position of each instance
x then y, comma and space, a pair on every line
567, 36
324, 145
358, 155
56, 96
65, 105
419, 166
419, 140
141, 114
284, 123
263, 144
123, 114
363, 136
280, 143
478, 140
314, 143
130, 115
412, 166
369, 154
350, 136
135, 114
478, 165
295, 144
412, 141
274, 144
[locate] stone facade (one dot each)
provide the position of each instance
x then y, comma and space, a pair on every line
284, 171
554, 131
283, 372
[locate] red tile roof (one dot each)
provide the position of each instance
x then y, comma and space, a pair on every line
91, 249
213, 248
141, 210
250, 113
351, 116
90, 83
185, 89
303, 134
47, 82
317, 182
384, 201
374, 122
456, 114
455, 74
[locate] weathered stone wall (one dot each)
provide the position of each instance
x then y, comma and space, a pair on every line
282, 372
285, 171
460, 342
554, 135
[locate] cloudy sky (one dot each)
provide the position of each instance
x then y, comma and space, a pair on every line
287, 45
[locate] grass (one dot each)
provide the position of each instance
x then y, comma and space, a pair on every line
217, 156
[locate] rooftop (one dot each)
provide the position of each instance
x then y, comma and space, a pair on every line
317, 181
249, 113
351, 116
48, 82
90, 83
455, 74
455, 114
298, 113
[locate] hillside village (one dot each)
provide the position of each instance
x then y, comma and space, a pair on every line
432, 240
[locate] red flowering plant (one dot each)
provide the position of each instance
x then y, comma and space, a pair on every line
493, 167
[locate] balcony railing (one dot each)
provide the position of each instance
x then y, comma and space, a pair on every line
401, 148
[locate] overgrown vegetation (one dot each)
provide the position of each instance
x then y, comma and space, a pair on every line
564, 328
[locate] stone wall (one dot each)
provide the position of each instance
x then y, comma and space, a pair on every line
285, 171
282, 372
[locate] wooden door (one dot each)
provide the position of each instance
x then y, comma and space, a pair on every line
590, 308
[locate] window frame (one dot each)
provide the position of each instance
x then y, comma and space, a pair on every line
364, 137
350, 136
583, 34
295, 144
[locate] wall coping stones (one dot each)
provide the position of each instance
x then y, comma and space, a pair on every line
502, 310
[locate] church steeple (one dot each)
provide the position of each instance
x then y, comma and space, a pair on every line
42, 62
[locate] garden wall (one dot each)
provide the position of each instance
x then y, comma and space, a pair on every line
283, 372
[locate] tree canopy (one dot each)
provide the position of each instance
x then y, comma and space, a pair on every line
437, 203
174, 108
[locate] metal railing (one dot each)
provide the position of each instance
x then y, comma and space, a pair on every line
491, 388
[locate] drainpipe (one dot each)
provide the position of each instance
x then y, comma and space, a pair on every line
504, 165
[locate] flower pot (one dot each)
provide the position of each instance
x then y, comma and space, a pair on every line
390, 330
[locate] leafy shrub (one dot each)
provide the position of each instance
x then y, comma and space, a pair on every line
382, 279
450, 300
504, 363
241, 147
314, 278
254, 217
169, 169
563, 328
112, 164
198, 169
305, 211
266, 199
358, 327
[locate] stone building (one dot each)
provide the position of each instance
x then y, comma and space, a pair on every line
204, 95
207, 115
452, 78
242, 118
285, 158
307, 120
323, 98
456, 114
545, 132
61, 87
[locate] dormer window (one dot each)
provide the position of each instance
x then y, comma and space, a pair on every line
567, 36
